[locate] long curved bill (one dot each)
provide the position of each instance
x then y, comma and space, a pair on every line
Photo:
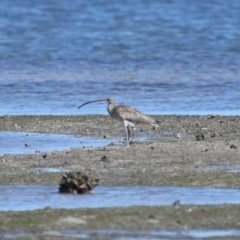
100, 100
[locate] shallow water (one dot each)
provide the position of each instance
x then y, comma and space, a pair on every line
233, 169
50, 169
119, 234
23, 143
158, 56
155, 234
20, 198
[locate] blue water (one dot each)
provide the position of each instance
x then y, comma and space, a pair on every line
159, 56
23, 198
127, 234
25, 143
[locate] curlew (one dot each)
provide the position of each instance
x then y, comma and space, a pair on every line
126, 114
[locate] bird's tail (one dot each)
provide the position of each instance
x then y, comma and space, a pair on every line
155, 125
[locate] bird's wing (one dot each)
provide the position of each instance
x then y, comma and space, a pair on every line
123, 112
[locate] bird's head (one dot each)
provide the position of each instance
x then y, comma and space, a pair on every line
110, 100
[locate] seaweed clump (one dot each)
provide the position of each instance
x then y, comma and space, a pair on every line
77, 183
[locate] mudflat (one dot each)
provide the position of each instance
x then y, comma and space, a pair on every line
201, 151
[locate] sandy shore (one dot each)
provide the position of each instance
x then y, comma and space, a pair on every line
185, 151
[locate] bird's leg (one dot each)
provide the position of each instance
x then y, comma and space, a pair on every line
127, 126
127, 132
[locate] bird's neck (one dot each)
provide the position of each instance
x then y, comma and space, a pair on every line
110, 107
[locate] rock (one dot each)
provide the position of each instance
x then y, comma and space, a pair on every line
200, 137
77, 183
176, 203
210, 116
151, 216
105, 159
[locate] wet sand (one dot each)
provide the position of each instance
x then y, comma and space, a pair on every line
199, 151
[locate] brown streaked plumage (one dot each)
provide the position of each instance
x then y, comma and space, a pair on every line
126, 114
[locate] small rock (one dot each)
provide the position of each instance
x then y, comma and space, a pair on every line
131, 142
44, 155
210, 116
151, 216
233, 147
47, 208
176, 203
178, 135
200, 137
152, 147
105, 159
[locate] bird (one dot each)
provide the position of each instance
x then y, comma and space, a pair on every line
128, 115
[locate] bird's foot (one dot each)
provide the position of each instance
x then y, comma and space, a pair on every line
127, 147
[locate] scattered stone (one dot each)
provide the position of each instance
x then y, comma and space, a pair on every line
44, 155
152, 147
105, 159
151, 216
213, 135
200, 137
176, 203
131, 142
178, 135
77, 183
233, 147
210, 116
47, 208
